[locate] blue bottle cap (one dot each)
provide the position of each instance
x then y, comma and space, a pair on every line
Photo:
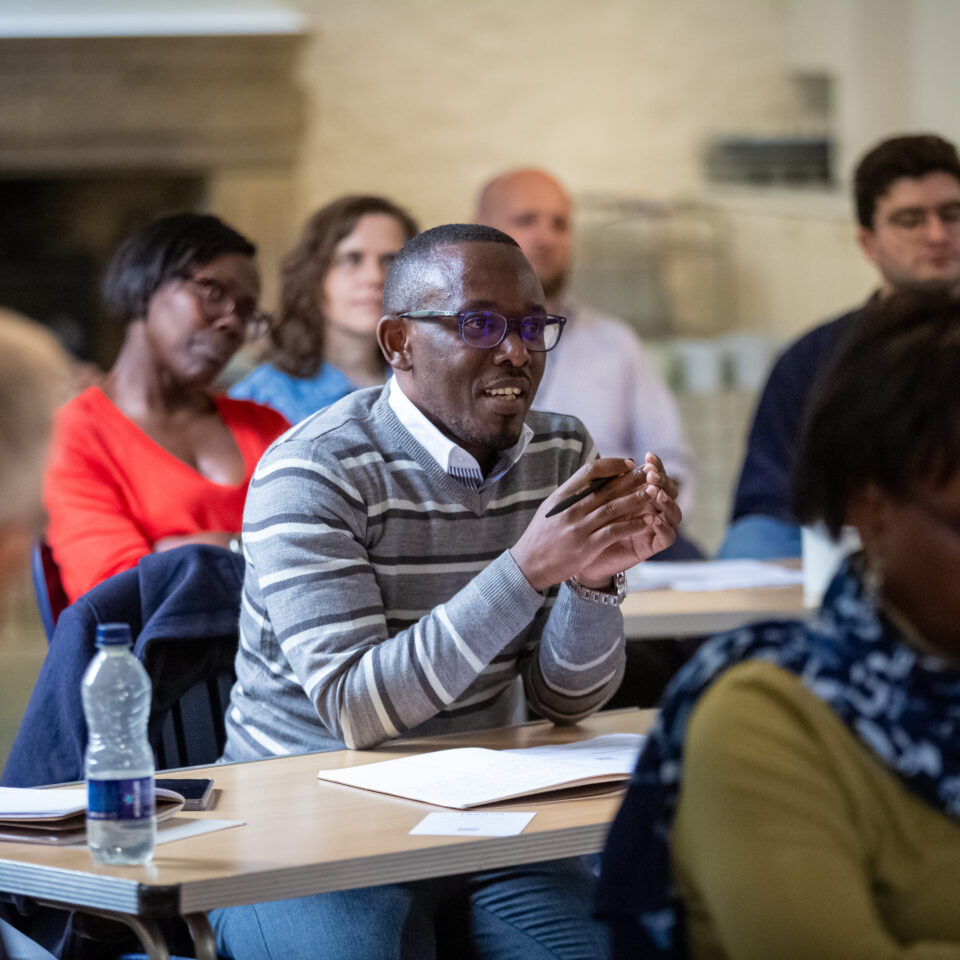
113, 634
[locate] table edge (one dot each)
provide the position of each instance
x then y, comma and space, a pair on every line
439, 861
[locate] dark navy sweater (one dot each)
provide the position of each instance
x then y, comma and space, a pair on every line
767, 473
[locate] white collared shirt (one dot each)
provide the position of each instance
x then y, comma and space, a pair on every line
453, 459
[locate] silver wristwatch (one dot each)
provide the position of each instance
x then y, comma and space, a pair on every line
601, 596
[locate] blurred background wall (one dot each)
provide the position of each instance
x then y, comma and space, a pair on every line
431, 97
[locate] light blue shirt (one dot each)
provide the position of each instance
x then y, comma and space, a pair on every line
294, 397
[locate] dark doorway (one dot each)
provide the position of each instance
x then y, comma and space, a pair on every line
56, 237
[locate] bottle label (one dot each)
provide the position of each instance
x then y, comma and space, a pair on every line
120, 799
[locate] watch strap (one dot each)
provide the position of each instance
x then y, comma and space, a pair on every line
610, 599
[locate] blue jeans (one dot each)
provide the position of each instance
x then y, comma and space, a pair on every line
538, 911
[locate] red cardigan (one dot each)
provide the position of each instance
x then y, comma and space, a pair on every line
111, 491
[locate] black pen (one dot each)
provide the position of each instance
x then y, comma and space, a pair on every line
597, 483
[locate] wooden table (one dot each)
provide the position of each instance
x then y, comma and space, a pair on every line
678, 613
303, 836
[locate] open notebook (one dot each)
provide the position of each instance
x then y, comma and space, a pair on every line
32, 815
472, 776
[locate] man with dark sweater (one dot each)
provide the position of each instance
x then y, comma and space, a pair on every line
404, 579
907, 196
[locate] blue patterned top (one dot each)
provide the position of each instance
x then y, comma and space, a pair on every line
903, 704
295, 397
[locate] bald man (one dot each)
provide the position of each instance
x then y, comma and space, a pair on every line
600, 373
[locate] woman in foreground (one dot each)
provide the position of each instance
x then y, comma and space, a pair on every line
152, 458
799, 795
323, 342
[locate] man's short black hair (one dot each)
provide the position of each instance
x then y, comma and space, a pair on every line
886, 411
910, 156
164, 250
404, 281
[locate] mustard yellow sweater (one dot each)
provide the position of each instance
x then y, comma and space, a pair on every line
793, 842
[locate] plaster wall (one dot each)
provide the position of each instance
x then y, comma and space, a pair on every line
425, 99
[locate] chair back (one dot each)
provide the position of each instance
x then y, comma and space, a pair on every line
51, 597
193, 730
183, 608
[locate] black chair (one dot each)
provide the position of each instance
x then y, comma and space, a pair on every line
51, 597
192, 730
183, 609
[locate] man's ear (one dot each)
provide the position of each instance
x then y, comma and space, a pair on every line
867, 241
392, 335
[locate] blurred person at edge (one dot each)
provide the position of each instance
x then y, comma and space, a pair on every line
322, 344
799, 794
907, 197
35, 378
600, 373
152, 458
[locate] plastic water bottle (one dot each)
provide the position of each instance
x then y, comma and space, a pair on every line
119, 766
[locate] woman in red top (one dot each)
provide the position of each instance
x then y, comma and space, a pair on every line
152, 459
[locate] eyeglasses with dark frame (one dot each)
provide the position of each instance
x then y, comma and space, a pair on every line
216, 301
484, 329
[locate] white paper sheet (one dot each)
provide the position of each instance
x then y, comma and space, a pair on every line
611, 753
34, 803
487, 823
471, 776
180, 828
711, 575
29, 803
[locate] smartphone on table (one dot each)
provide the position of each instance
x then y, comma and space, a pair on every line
198, 792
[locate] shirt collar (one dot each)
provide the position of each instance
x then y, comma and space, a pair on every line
453, 459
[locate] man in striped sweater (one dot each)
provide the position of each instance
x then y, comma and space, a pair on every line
403, 579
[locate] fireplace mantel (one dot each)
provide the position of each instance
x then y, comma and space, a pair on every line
199, 103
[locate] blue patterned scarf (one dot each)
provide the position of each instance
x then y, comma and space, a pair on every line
903, 704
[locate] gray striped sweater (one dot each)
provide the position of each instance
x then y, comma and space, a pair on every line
380, 598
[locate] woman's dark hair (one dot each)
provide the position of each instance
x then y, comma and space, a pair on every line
164, 250
911, 156
886, 411
295, 339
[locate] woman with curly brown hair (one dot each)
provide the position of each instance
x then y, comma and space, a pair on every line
323, 342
